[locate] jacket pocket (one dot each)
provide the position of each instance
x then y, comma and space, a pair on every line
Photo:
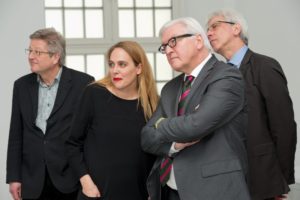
220, 167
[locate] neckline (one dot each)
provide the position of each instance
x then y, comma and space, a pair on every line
117, 97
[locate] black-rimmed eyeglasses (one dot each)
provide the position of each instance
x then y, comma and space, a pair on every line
36, 52
217, 23
172, 42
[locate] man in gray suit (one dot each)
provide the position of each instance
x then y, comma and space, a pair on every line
198, 129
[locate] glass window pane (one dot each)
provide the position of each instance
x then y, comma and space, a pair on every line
163, 69
74, 30
52, 3
93, 3
94, 23
160, 85
126, 3
162, 3
96, 66
75, 62
54, 19
73, 3
150, 57
143, 3
144, 23
161, 17
126, 24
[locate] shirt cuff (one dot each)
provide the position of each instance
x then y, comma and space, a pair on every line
172, 149
158, 121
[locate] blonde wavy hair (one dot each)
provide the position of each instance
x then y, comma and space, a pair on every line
147, 91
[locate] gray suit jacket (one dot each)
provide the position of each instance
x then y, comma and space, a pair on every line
215, 167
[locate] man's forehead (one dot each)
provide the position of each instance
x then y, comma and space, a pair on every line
174, 30
215, 18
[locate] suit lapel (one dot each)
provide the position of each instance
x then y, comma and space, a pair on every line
176, 90
204, 73
34, 95
245, 61
200, 78
63, 90
178, 87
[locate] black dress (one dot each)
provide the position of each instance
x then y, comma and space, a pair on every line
105, 143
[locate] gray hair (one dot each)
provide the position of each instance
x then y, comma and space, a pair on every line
56, 42
231, 15
192, 26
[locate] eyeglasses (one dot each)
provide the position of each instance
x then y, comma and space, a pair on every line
172, 42
36, 52
216, 24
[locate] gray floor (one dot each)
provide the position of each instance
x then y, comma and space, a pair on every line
295, 192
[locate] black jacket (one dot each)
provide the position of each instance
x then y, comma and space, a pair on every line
271, 137
30, 151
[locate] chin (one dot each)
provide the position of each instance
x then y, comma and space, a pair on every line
177, 68
117, 86
33, 70
216, 48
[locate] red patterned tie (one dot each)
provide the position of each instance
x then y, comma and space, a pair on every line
166, 165
185, 91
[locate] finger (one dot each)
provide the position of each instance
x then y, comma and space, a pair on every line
19, 193
15, 195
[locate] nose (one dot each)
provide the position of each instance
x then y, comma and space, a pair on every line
31, 55
209, 32
115, 69
168, 49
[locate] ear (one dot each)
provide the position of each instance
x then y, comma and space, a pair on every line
139, 69
237, 29
55, 58
199, 41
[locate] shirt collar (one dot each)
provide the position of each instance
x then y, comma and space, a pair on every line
197, 70
238, 56
56, 79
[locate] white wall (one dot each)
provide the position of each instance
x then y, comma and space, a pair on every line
18, 19
274, 31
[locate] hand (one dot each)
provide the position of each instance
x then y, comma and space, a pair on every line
88, 186
180, 146
15, 190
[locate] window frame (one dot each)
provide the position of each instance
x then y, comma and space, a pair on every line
91, 46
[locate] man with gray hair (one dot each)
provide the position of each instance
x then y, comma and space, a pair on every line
197, 131
42, 110
271, 132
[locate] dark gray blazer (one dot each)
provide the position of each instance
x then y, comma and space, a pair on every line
272, 131
215, 167
30, 151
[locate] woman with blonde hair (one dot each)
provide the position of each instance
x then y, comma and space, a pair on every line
104, 146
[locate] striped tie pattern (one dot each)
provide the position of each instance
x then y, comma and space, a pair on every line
166, 165
185, 91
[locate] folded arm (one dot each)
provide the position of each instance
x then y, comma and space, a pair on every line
224, 98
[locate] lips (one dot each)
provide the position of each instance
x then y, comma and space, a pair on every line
212, 40
117, 79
